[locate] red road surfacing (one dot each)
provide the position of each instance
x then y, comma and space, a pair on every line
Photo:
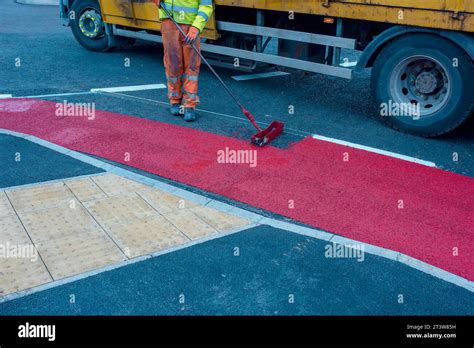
310, 182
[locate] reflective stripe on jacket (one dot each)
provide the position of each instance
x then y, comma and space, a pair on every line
191, 12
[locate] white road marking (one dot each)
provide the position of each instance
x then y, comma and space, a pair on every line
348, 64
301, 133
128, 88
259, 76
375, 150
315, 136
93, 90
54, 95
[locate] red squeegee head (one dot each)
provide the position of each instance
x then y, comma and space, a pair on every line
264, 136
267, 135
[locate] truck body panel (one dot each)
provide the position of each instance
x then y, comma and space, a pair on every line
141, 15
437, 14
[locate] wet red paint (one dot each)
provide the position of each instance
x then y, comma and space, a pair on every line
357, 199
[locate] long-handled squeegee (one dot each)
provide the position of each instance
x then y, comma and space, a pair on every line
264, 136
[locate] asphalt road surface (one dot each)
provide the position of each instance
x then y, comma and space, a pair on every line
51, 62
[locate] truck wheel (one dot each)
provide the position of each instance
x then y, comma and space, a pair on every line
88, 27
423, 85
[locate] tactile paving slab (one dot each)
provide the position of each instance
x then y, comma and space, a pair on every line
114, 185
146, 236
190, 224
58, 222
220, 221
40, 197
18, 274
5, 206
87, 223
85, 189
165, 202
119, 210
12, 231
78, 253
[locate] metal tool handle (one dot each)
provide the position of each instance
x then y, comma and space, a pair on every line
244, 110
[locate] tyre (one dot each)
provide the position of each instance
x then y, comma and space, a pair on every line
422, 84
88, 27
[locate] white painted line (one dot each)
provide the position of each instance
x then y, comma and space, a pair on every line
44, 95
259, 76
348, 64
375, 150
284, 225
296, 132
54, 95
128, 88
288, 130
93, 90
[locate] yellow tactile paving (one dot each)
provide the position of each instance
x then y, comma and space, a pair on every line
58, 222
190, 224
5, 206
12, 231
78, 253
18, 274
146, 236
220, 221
114, 185
165, 202
84, 224
85, 189
120, 210
41, 197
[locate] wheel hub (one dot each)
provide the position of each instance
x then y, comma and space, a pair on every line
91, 24
421, 81
426, 82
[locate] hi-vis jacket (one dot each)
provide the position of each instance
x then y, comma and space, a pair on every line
192, 12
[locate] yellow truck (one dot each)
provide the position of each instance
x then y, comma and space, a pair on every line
420, 51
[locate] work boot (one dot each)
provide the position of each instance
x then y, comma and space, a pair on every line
175, 109
189, 115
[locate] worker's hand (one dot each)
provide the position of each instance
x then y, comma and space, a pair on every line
192, 35
157, 2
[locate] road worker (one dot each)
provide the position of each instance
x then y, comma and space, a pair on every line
181, 62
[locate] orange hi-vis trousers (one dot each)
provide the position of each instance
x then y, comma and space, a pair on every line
182, 65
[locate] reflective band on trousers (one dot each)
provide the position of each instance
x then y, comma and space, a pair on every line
173, 79
191, 95
190, 78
